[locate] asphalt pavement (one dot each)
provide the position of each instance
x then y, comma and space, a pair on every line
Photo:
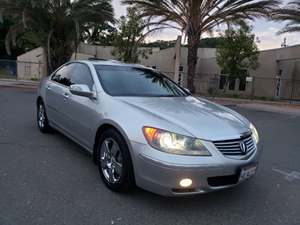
46, 179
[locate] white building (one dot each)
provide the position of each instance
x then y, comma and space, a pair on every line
32, 64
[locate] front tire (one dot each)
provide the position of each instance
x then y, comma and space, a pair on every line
42, 119
114, 161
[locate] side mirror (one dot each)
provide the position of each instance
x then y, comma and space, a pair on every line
81, 90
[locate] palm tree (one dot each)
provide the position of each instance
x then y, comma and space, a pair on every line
290, 13
196, 17
59, 24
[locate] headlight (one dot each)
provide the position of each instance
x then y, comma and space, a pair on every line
255, 135
174, 143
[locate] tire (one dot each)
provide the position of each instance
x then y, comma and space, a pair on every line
42, 119
114, 161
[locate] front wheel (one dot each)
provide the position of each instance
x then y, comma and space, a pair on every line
42, 120
114, 161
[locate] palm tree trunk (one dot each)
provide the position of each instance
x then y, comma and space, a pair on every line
49, 61
193, 43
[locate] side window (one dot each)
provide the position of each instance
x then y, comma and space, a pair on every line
82, 75
63, 75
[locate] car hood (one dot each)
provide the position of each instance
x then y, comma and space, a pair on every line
198, 117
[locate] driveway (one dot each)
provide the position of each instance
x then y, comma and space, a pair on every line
48, 180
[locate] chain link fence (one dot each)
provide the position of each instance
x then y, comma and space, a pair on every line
213, 85
259, 87
19, 70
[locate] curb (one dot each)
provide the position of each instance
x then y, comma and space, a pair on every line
19, 84
19, 87
232, 101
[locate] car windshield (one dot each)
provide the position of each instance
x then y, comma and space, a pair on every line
133, 81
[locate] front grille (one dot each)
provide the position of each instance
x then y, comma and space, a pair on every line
244, 146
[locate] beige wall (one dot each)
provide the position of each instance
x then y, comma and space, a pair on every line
102, 52
265, 76
268, 60
163, 60
81, 56
32, 64
207, 70
290, 78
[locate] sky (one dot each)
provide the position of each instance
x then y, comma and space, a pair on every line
264, 30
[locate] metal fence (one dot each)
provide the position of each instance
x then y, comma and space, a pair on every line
214, 85
20, 70
259, 87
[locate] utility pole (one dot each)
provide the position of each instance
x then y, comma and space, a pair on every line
177, 59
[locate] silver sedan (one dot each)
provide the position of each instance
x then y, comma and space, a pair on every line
143, 129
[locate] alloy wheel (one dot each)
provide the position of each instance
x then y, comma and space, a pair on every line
41, 116
111, 160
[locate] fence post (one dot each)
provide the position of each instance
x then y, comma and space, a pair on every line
253, 88
17, 70
292, 90
215, 86
39, 70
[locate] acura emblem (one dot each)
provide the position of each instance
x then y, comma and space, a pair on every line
243, 147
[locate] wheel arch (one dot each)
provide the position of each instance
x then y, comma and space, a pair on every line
105, 126
38, 100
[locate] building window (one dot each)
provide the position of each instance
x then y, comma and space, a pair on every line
222, 82
27, 69
231, 84
242, 86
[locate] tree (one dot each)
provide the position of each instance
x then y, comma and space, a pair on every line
290, 13
99, 34
160, 44
237, 52
24, 42
5, 23
204, 43
195, 17
129, 37
59, 24
213, 42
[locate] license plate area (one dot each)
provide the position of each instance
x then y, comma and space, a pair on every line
247, 172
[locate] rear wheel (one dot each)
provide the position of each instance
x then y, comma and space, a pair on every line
114, 161
42, 120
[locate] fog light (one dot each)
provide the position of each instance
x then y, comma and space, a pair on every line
185, 182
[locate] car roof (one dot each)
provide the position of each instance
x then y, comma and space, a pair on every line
104, 62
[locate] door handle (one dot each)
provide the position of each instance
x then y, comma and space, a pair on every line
66, 95
49, 87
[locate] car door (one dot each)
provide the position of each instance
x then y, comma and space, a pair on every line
57, 93
82, 111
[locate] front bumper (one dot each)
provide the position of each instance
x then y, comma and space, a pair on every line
160, 172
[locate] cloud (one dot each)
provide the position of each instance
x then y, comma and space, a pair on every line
269, 38
120, 10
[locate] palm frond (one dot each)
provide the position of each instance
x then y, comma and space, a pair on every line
196, 17
66, 20
290, 14
289, 29
11, 36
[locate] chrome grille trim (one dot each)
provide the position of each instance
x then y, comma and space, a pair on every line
232, 148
